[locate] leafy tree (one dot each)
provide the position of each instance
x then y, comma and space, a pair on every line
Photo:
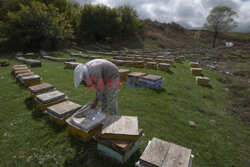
220, 19
37, 23
99, 22
129, 19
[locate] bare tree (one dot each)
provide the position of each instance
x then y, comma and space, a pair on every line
221, 19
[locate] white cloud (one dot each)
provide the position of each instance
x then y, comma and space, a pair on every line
188, 13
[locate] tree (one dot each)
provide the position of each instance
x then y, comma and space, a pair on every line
221, 19
37, 24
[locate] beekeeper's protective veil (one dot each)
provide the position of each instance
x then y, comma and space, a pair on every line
80, 74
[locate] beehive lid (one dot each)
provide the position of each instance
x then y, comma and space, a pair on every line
40, 88
120, 126
152, 77
193, 63
122, 71
63, 109
164, 64
199, 78
152, 63
30, 78
25, 74
50, 97
19, 66
160, 153
139, 62
87, 118
22, 71
195, 69
137, 74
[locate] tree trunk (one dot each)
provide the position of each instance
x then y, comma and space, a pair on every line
215, 36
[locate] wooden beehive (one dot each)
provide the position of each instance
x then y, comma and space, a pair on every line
117, 149
164, 66
128, 63
60, 112
159, 153
30, 80
50, 98
24, 74
39, 89
196, 71
134, 76
160, 60
123, 73
148, 59
151, 82
139, 64
177, 60
194, 65
169, 61
151, 65
120, 127
202, 80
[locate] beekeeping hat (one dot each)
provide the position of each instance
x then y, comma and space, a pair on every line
80, 74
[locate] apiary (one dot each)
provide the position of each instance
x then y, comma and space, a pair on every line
196, 71
39, 89
50, 98
86, 122
123, 74
120, 127
30, 80
128, 63
169, 61
164, 66
117, 149
202, 80
151, 82
134, 76
58, 113
24, 74
159, 153
194, 65
139, 64
151, 65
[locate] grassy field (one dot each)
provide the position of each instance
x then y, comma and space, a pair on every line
28, 138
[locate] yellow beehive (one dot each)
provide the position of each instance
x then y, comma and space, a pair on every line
139, 64
128, 63
196, 71
39, 89
164, 66
123, 74
194, 64
202, 80
152, 65
148, 59
178, 60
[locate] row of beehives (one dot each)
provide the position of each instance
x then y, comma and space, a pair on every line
117, 136
196, 70
33, 63
84, 56
57, 59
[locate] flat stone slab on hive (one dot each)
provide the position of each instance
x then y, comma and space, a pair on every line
30, 78
50, 96
63, 109
152, 77
160, 153
137, 74
121, 125
25, 74
122, 71
40, 88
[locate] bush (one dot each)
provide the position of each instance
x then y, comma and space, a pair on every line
35, 23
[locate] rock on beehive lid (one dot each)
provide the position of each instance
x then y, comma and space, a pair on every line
166, 65
199, 78
63, 109
86, 118
25, 74
50, 97
22, 71
159, 153
152, 78
19, 66
30, 78
123, 71
137, 74
40, 88
120, 127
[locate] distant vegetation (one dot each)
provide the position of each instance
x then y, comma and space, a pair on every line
56, 23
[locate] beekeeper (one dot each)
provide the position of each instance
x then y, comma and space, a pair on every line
103, 76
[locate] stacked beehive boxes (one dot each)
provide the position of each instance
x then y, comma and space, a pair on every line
159, 153
30, 80
194, 65
196, 71
151, 82
86, 122
50, 98
202, 80
58, 113
119, 138
151, 65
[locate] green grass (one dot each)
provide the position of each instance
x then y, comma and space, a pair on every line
239, 35
28, 138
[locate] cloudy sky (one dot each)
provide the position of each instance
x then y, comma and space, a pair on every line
188, 13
